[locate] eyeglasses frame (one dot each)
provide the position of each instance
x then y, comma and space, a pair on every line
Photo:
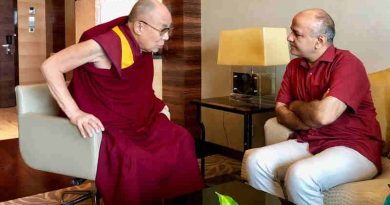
162, 32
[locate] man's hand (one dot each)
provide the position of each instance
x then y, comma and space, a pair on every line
88, 124
287, 118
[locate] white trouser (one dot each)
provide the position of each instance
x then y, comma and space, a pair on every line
288, 170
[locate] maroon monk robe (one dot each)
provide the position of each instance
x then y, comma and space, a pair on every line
143, 155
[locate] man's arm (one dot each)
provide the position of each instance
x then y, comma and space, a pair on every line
54, 69
318, 113
288, 118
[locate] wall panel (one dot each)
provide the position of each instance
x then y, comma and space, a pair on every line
32, 45
182, 63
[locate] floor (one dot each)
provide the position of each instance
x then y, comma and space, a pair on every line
8, 123
219, 169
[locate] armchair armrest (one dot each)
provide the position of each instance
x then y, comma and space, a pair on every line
275, 132
53, 144
35, 98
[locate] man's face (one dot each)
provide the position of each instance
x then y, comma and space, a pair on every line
301, 39
156, 30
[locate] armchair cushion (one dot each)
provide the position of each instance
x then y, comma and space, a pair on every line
372, 191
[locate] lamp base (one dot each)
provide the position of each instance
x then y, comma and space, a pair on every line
245, 83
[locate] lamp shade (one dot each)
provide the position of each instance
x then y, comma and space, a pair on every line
253, 46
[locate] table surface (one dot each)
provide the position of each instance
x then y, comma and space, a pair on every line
242, 193
232, 105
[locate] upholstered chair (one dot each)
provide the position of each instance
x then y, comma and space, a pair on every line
49, 142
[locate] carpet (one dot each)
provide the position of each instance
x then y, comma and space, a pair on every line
218, 170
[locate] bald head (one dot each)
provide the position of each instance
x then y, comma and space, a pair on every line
150, 23
145, 8
322, 23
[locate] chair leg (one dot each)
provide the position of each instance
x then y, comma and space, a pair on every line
93, 194
84, 195
96, 199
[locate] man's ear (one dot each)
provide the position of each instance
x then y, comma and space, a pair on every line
322, 40
137, 26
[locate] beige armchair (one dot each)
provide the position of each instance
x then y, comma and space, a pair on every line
372, 191
51, 143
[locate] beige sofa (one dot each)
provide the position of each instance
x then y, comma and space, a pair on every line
357, 193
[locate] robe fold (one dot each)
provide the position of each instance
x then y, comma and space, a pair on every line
143, 155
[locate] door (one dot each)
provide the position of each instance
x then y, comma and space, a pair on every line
8, 53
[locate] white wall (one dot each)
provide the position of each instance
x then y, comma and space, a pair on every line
107, 10
363, 27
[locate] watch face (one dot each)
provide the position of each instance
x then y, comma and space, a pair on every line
245, 83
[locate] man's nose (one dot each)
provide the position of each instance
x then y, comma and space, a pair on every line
290, 37
165, 37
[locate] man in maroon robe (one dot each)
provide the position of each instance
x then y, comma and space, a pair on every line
143, 157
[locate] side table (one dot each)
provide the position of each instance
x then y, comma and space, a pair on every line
234, 106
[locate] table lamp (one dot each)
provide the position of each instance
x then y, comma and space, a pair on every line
260, 47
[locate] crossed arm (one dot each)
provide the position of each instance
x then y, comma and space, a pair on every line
299, 115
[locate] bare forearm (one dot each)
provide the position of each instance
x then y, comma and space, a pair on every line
58, 88
289, 119
307, 112
318, 113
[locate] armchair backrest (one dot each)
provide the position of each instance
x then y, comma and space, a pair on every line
380, 89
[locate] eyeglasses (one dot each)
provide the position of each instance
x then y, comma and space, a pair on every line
163, 31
